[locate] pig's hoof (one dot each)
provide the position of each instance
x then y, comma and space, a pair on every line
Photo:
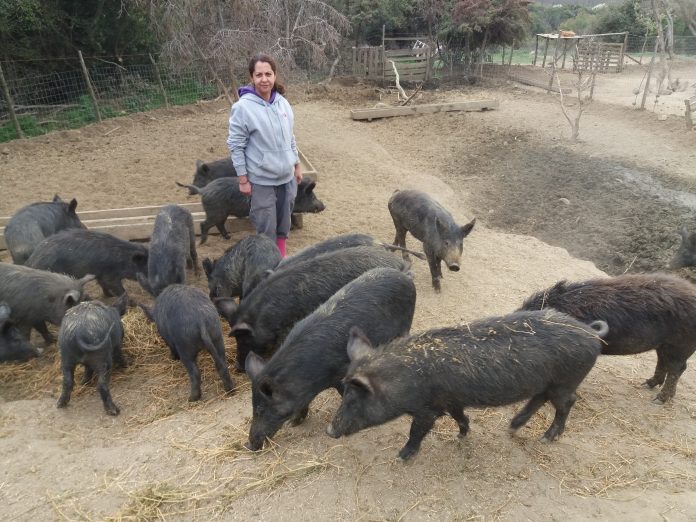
113, 410
512, 432
658, 400
407, 453
61, 404
194, 397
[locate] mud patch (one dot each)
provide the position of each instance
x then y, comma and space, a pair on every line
622, 217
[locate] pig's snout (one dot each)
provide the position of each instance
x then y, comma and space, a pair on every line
454, 267
331, 432
254, 444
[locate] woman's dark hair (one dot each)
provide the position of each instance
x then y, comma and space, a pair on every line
278, 85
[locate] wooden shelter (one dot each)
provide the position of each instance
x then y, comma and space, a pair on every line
410, 55
587, 52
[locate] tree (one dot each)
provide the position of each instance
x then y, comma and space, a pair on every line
491, 22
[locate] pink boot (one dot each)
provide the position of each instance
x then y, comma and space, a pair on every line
280, 241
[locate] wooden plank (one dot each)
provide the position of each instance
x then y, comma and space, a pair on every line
387, 112
405, 67
407, 52
540, 84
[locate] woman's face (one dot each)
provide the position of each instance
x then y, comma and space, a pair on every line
263, 79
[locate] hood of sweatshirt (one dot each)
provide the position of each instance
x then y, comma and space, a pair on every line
249, 89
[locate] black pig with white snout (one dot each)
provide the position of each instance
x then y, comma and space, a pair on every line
539, 356
416, 212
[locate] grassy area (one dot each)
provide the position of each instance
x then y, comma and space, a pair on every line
144, 97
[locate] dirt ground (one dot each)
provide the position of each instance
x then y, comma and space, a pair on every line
546, 210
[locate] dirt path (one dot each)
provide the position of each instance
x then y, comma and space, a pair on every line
622, 457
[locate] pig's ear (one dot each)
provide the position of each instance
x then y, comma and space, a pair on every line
56, 198
441, 229
86, 279
467, 228
208, 267
309, 188
71, 298
72, 206
199, 164
362, 382
359, 346
253, 365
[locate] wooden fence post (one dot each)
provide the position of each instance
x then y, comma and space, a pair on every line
89, 87
647, 80
10, 106
159, 81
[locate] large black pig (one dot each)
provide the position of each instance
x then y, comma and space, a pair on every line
91, 334
79, 252
644, 312
428, 221
313, 357
172, 248
541, 356
221, 198
36, 296
32, 224
242, 267
188, 322
265, 317
207, 172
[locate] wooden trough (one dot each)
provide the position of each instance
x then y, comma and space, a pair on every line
430, 108
137, 222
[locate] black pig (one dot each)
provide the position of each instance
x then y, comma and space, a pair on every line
32, 224
221, 198
91, 334
36, 297
264, 318
242, 267
644, 312
13, 345
188, 322
79, 252
172, 247
541, 356
207, 172
313, 356
428, 221
338, 243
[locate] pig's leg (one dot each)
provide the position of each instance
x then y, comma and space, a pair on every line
220, 225
111, 287
103, 378
660, 371
192, 250
205, 226
563, 401
216, 348
526, 413
462, 420
435, 270
40, 327
68, 383
89, 373
118, 357
420, 427
300, 417
675, 364
195, 377
400, 239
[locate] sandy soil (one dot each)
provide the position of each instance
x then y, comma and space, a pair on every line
622, 457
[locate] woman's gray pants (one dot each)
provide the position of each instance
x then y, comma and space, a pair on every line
271, 207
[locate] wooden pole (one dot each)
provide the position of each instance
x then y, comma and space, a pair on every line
623, 51
89, 87
546, 48
512, 49
10, 105
555, 57
159, 81
384, 55
502, 61
565, 51
536, 49
647, 80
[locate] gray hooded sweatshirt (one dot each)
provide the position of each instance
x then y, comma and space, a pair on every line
260, 138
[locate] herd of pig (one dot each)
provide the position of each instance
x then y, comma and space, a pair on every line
335, 315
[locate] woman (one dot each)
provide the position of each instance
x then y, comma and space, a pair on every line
263, 150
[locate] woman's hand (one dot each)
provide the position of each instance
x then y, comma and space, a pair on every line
244, 186
298, 173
